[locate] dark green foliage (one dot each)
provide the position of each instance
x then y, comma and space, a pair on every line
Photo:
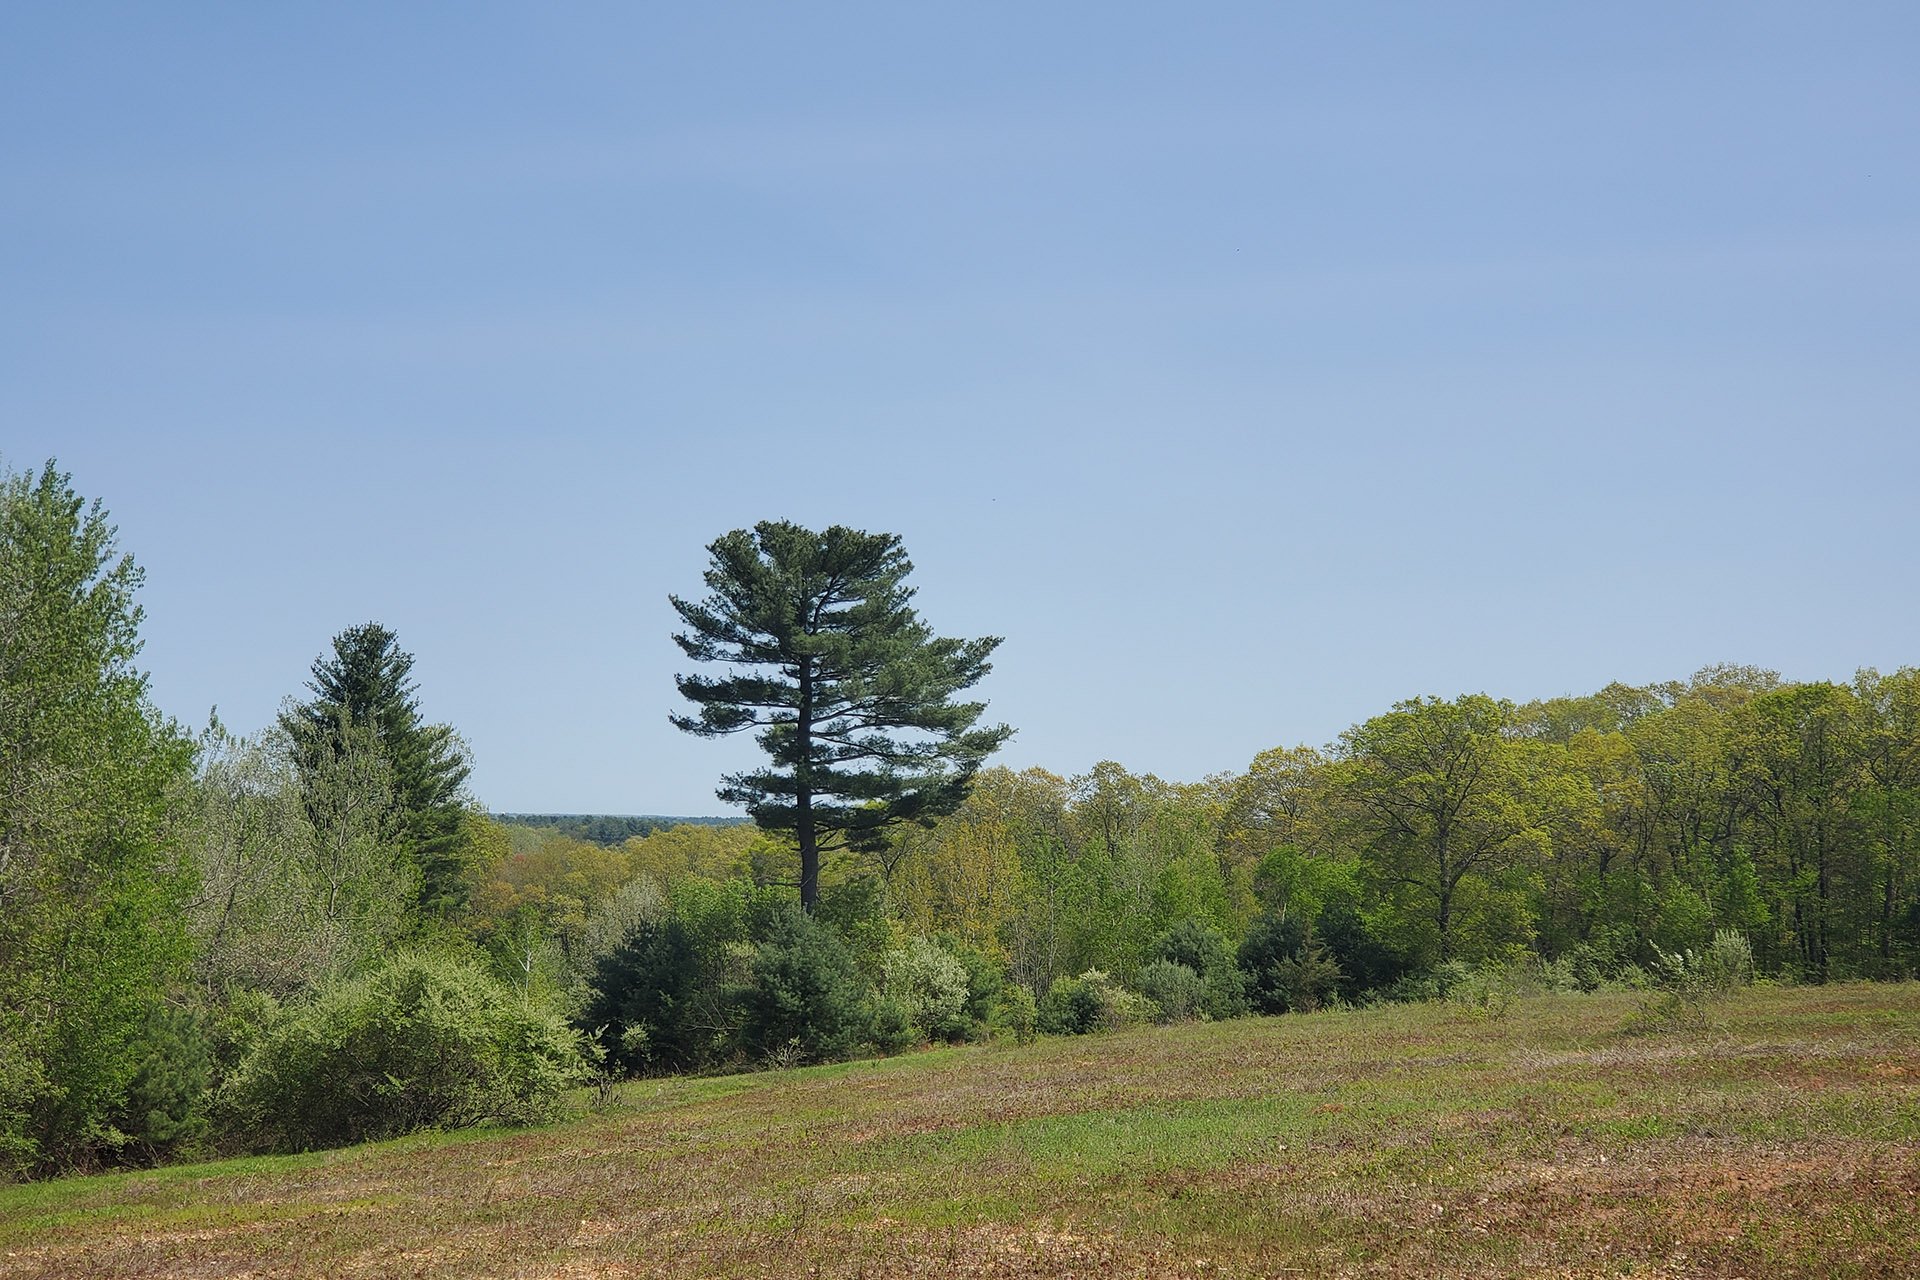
166, 1113
851, 694
1309, 977
1272, 940
367, 682
644, 993
1288, 967
1089, 1003
91, 783
808, 1000
893, 1028
423, 1041
1205, 952
986, 981
1366, 963
1072, 1007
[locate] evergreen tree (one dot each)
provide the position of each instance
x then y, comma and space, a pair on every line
367, 685
851, 693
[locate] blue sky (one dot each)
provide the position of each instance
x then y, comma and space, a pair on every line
1247, 367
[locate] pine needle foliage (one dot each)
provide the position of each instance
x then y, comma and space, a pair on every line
850, 694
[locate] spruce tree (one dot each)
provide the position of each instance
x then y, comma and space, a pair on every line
367, 684
851, 694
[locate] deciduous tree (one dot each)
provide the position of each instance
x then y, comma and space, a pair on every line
90, 782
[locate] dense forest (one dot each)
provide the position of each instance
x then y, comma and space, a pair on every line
314, 934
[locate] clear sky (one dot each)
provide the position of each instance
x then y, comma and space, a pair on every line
1248, 367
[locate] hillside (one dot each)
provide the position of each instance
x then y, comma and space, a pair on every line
1780, 1138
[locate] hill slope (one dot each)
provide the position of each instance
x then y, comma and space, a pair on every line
1780, 1139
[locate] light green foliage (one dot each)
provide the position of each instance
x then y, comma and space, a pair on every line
91, 780
693, 849
638, 901
1440, 797
931, 985
1687, 983
1015, 1013
300, 879
1177, 992
421, 1041
856, 909
1089, 1003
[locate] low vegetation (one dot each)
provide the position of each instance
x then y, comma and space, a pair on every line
1562, 1135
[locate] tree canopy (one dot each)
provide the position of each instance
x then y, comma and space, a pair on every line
90, 779
851, 694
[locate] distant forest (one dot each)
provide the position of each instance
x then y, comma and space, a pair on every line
607, 829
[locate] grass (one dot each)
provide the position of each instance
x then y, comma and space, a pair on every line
1781, 1138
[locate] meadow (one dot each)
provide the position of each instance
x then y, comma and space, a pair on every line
1776, 1134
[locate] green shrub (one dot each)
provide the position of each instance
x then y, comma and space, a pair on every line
1288, 969
1178, 991
893, 1029
641, 993
166, 1113
22, 1082
422, 1041
931, 985
1583, 969
1089, 1003
1487, 990
1014, 1013
1686, 983
986, 984
1204, 950
807, 1001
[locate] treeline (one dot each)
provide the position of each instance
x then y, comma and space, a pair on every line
605, 828
1598, 830
312, 935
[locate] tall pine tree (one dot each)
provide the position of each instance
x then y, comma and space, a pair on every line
367, 684
851, 693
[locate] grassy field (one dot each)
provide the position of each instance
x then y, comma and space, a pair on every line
1780, 1138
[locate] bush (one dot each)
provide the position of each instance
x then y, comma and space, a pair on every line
1585, 968
1686, 983
1204, 951
1089, 1003
931, 985
986, 984
807, 1001
1178, 991
641, 993
1287, 968
422, 1041
1014, 1013
1487, 990
893, 1029
166, 1111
